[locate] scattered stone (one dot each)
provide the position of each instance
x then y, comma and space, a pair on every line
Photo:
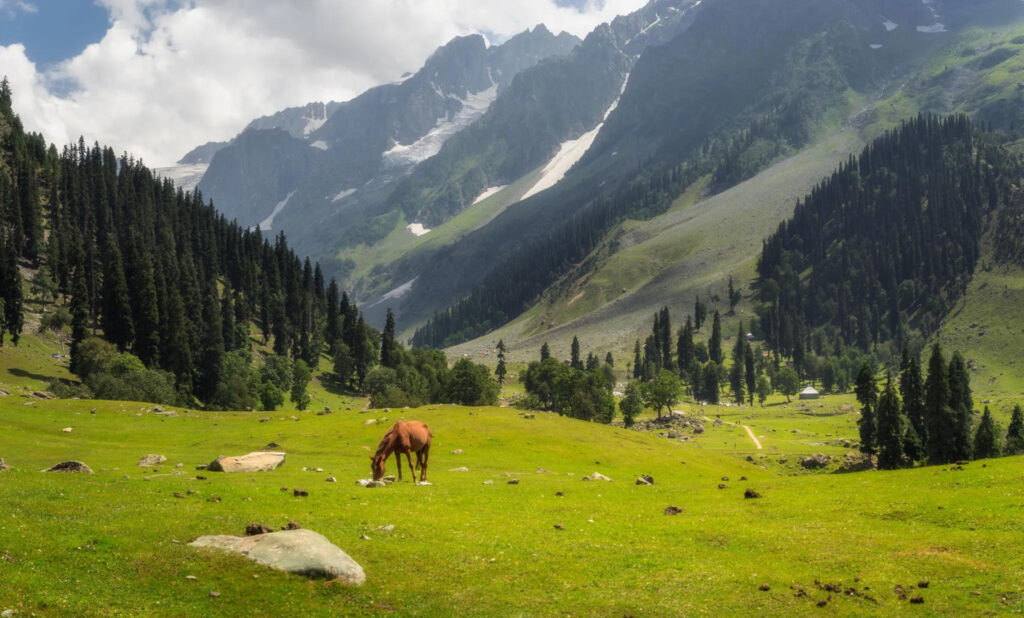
300, 493
214, 594
389, 479
178, 495
150, 460
213, 499
673, 510
822, 603
201, 467
429, 483
725, 479
488, 482
272, 445
200, 478
191, 578
331, 479
3, 466
324, 412
922, 584
813, 462
764, 587
858, 462
743, 478
294, 418
303, 552
370, 421
457, 451
291, 526
460, 469
265, 419
513, 482
901, 594
257, 528
179, 466
645, 479
723, 486
750, 493
559, 494
364, 537
750, 459
261, 461
559, 527
597, 476
388, 528
543, 471
66, 430
917, 600
70, 466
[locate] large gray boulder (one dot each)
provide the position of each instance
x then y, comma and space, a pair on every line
815, 461
70, 466
150, 460
302, 552
260, 461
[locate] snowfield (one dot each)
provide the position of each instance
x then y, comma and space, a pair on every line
417, 229
267, 224
473, 106
488, 192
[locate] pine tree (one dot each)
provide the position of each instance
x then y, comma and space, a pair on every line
939, 417
545, 352
117, 311
146, 316
684, 348
961, 403
388, 357
79, 316
867, 395
664, 336
912, 393
750, 372
892, 426
638, 361
700, 313
500, 371
227, 313
1015, 433
11, 279
715, 343
576, 363
710, 392
737, 379
177, 356
986, 439
332, 329
609, 359
211, 354
300, 379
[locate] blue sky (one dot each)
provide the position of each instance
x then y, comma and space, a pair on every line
52, 30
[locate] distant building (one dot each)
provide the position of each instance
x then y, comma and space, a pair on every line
809, 393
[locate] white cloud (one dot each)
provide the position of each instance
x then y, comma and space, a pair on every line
12, 7
172, 74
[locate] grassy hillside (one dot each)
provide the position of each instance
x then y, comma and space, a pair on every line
460, 547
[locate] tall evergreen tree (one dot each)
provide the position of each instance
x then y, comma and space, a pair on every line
332, 328
576, 362
211, 355
545, 352
227, 313
961, 403
986, 439
12, 293
638, 361
710, 392
737, 379
117, 311
664, 337
892, 427
388, 356
867, 395
500, 371
609, 359
1015, 433
912, 393
750, 373
79, 316
715, 343
685, 355
939, 416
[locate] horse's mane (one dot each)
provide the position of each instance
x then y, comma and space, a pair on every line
384, 443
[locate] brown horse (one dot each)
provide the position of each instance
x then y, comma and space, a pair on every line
404, 437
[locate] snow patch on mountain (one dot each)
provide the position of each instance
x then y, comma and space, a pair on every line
396, 293
936, 28
473, 106
488, 192
185, 176
889, 24
267, 224
315, 121
417, 229
571, 151
319, 144
875, 46
343, 194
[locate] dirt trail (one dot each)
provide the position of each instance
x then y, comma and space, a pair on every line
750, 433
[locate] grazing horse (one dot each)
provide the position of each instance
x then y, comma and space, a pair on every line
404, 437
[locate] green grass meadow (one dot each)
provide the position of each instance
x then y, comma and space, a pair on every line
113, 543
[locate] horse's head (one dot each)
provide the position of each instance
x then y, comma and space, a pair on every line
377, 467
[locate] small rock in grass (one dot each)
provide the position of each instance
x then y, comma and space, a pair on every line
151, 460
191, 578
284, 489
513, 482
917, 600
722, 486
488, 482
388, 528
559, 527
200, 478
272, 445
3, 466
764, 587
429, 483
291, 526
254, 529
214, 594
178, 495
822, 603
750, 493
300, 492
645, 479
213, 499
750, 458
457, 451
201, 467
265, 419
66, 430
559, 494
673, 510
460, 469
743, 478
364, 537
922, 584
331, 479
725, 478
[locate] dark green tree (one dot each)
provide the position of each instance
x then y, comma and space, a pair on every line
1015, 433
501, 371
664, 391
575, 362
211, 355
300, 379
545, 351
633, 403
787, 382
867, 394
912, 393
737, 378
962, 404
939, 416
709, 392
388, 356
986, 439
892, 427
715, 343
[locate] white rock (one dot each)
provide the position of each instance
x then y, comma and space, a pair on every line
261, 461
302, 552
66, 430
597, 476
460, 469
151, 460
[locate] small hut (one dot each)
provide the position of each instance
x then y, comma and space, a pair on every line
809, 393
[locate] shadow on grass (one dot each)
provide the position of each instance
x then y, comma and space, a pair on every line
21, 373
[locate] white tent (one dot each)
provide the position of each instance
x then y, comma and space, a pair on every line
809, 393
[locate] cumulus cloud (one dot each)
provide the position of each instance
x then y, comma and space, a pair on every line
171, 74
12, 7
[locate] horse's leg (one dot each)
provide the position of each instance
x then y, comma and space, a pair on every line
398, 463
408, 457
423, 467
